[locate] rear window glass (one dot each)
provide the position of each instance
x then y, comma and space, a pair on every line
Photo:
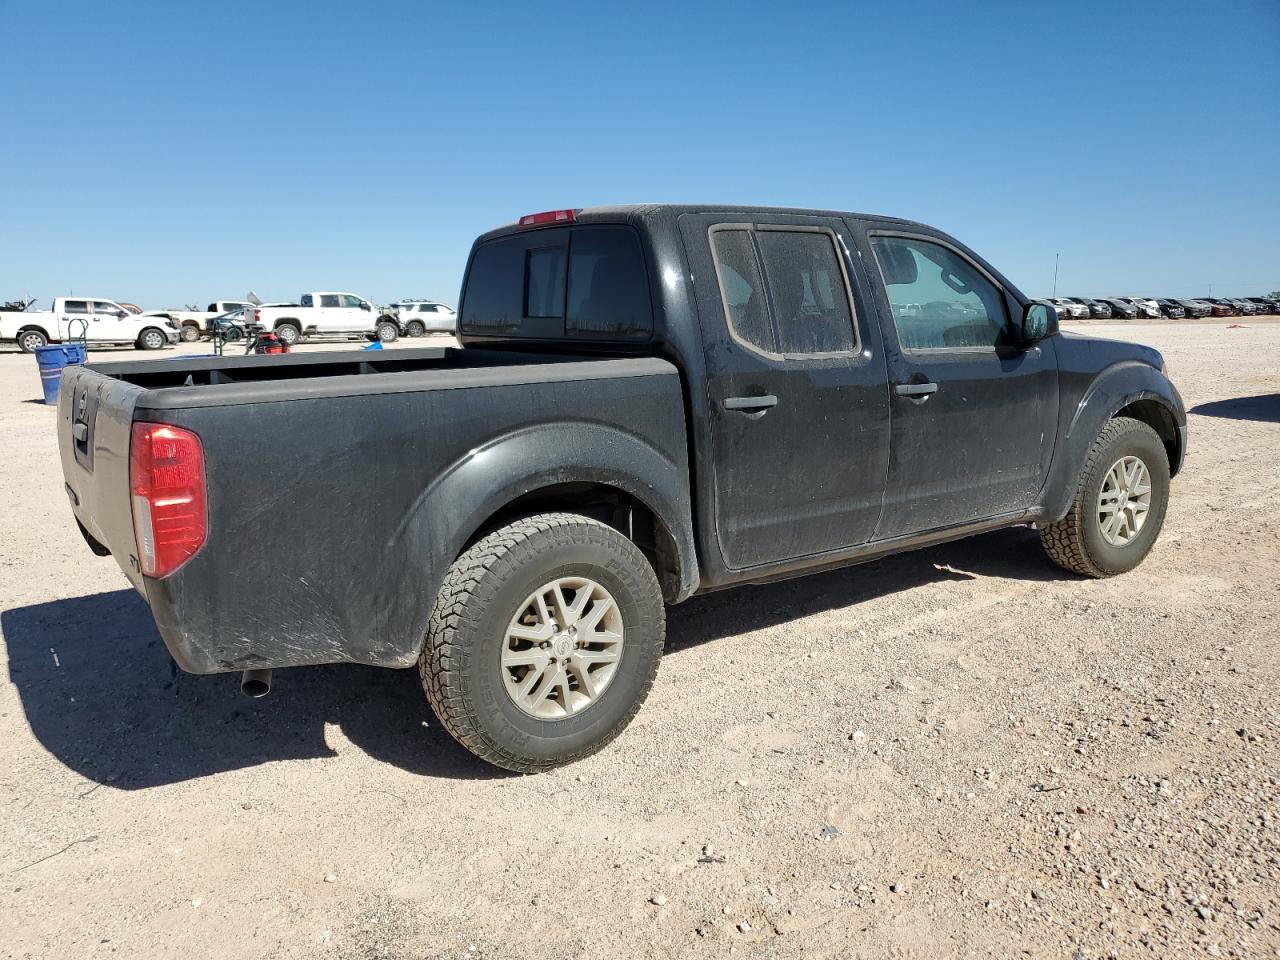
544, 282
608, 289
587, 282
75, 306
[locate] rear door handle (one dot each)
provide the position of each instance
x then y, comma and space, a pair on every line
751, 404
915, 389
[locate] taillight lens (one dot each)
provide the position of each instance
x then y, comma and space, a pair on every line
166, 480
548, 216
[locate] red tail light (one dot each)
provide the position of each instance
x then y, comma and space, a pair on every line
549, 216
166, 480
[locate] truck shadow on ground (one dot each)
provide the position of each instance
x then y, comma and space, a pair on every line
1264, 408
103, 696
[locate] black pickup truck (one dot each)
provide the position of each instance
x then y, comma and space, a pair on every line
652, 402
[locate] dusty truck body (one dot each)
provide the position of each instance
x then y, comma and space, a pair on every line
653, 402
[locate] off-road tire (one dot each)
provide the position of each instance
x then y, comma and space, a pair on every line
29, 340
190, 333
152, 338
288, 333
1075, 542
460, 662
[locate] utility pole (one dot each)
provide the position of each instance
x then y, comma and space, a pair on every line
1055, 273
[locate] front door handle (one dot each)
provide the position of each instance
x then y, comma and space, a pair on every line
750, 404
915, 389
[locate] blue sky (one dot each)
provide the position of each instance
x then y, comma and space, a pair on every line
178, 152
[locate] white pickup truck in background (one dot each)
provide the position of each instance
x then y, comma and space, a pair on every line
325, 314
99, 321
192, 324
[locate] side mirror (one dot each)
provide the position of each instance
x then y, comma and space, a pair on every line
1039, 320
365, 306
122, 314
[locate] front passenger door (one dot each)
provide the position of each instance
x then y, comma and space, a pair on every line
973, 412
356, 314
107, 324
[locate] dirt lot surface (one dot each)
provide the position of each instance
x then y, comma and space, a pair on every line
957, 752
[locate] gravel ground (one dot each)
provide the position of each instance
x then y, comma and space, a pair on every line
957, 752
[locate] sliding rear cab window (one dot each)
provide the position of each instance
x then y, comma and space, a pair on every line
585, 282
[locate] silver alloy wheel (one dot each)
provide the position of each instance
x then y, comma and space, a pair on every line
562, 648
30, 340
288, 333
1124, 501
153, 339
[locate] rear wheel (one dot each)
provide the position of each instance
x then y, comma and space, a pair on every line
190, 333
288, 333
387, 331
415, 328
544, 641
1119, 506
151, 339
29, 340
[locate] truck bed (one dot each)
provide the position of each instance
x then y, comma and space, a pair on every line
340, 485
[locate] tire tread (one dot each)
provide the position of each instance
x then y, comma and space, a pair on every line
1064, 540
468, 586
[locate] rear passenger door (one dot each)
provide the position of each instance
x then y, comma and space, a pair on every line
77, 320
328, 318
797, 386
973, 410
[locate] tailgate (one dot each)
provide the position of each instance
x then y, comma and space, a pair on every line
95, 420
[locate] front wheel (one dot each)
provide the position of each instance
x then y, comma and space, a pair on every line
29, 340
544, 641
151, 339
1119, 506
190, 333
387, 331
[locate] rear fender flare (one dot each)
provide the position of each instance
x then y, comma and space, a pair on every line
462, 497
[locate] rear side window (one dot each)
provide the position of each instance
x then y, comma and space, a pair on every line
587, 282
75, 306
328, 300
811, 311
306, 300
742, 288
784, 290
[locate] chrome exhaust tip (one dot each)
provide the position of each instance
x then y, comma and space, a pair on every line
255, 683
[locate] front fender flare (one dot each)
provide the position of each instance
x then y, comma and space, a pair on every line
1111, 391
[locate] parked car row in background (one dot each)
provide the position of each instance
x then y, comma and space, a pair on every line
1133, 308
317, 315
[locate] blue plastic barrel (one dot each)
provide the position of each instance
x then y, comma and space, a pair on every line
51, 360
